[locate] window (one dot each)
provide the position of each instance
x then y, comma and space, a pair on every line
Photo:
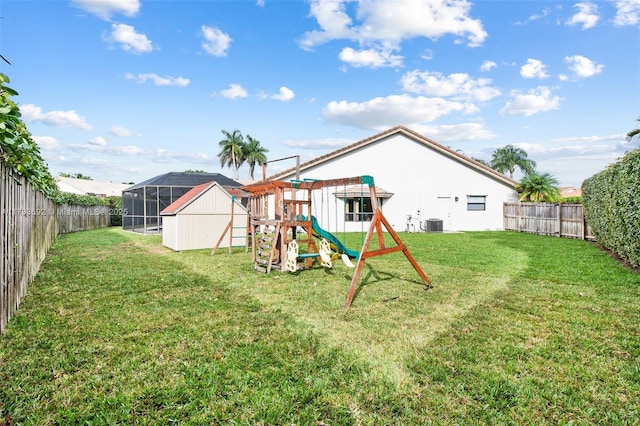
476, 202
358, 209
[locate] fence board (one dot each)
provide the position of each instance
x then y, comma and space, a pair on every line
29, 223
561, 220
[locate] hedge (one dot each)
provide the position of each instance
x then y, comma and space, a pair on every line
611, 202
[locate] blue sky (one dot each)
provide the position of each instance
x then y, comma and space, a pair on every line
123, 90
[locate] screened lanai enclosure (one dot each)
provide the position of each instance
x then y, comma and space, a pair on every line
143, 202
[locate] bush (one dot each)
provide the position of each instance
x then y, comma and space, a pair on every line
18, 150
572, 200
115, 207
611, 202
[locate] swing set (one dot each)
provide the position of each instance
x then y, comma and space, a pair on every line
281, 224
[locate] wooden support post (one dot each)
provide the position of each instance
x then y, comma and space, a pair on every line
228, 228
376, 226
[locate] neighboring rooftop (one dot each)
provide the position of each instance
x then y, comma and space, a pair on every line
570, 191
90, 187
187, 179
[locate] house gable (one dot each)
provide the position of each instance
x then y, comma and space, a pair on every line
388, 135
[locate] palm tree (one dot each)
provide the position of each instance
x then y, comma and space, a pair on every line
538, 188
633, 132
254, 153
507, 158
232, 153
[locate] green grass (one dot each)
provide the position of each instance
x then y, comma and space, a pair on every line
518, 329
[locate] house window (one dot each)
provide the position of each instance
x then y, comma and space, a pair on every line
476, 202
358, 209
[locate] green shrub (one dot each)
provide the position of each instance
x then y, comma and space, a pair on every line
18, 150
79, 199
572, 200
115, 208
611, 201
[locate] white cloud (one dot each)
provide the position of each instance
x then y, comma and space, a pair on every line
104, 9
285, 94
157, 155
582, 66
381, 113
487, 66
47, 143
545, 12
587, 15
234, 91
328, 143
157, 80
534, 68
98, 141
128, 39
216, 43
448, 133
457, 85
334, 23
628, 12
71, 118
535, 101
121, 131
388, 23
371, 58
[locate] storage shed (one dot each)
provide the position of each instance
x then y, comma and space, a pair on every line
143, 202
203, 216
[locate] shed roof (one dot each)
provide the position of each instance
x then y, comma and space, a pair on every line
445, 151
193, 194
186, 179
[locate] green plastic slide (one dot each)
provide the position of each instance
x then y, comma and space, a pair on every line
335, 243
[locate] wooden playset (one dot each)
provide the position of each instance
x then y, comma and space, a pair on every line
283, 231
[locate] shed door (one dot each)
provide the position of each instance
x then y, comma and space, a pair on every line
444, 212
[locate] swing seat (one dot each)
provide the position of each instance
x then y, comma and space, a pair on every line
325, 254
347, 261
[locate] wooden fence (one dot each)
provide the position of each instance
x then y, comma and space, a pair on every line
29, 223
560, 220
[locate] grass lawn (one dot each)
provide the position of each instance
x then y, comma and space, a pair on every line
518, 329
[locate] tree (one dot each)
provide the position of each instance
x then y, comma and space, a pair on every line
254, 153
507, 158
75, 176
538, 188
633, 132
481, 161
232, 153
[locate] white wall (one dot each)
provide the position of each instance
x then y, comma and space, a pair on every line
201, 223
422, 179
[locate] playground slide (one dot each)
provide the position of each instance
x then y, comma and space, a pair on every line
336, 244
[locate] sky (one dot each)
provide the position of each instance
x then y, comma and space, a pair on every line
124, 90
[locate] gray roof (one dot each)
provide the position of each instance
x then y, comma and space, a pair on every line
187, 180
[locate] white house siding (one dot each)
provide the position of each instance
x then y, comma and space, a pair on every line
421, 178
199, 224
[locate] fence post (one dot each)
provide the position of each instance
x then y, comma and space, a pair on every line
559, 206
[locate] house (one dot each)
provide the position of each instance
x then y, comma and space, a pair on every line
427, 186
570, 191
203, 217
143, 202
90, 187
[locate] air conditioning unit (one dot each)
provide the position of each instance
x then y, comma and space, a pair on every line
434, 225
